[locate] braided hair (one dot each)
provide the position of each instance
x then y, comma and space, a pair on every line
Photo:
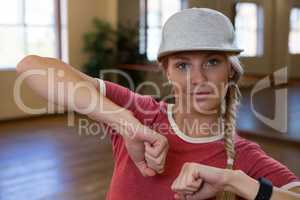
229, 106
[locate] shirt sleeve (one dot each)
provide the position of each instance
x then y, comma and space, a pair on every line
144, 107
257, 163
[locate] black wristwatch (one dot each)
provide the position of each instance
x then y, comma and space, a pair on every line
265, 189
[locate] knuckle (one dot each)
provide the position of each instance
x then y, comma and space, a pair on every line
157, 161
190, 197
173, 187
189, 184
181, 188
156, 153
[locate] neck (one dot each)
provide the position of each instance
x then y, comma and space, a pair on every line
196, 124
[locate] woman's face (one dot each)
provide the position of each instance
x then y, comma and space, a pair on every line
199, 79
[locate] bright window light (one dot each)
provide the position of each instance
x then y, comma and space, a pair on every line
249, 29
156, 14
27, 27
294, 36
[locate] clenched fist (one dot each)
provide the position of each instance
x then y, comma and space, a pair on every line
148, 150
197, 182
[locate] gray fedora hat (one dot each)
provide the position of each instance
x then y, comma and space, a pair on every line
197, 29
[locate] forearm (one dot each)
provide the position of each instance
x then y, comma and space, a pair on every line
247, 187
120, 119
61, 84
56, 81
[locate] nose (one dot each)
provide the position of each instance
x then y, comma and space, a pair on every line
198, 77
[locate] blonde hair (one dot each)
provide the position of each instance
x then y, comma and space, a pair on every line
229, 104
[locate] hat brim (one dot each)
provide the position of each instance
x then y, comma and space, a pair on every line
226, 50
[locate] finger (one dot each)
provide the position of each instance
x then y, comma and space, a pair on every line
157, 168
176, 196
192, 182
156, 149
185, 185
187, 181
152, 150
174, 184
144, 169
185, 190
163, 159
206, 192
158, 162
178, 187
181, 196
192, 197
160, 159
152, 164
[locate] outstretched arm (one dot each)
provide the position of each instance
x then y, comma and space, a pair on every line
61, 84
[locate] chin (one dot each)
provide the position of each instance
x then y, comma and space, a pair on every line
205, 107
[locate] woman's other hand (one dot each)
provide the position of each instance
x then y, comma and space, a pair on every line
197, 182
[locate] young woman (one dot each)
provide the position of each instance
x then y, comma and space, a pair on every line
186, 150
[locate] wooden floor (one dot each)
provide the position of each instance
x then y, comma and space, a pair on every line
42, 158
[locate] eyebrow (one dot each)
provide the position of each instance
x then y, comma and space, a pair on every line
182, 57
187, 58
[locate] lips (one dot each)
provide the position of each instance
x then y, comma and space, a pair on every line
201, 96
201, 93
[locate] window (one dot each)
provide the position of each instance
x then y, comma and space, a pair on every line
154, 14
28, 27
249, 28
294, 36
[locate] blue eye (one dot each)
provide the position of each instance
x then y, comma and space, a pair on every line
213, 62
183, 66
